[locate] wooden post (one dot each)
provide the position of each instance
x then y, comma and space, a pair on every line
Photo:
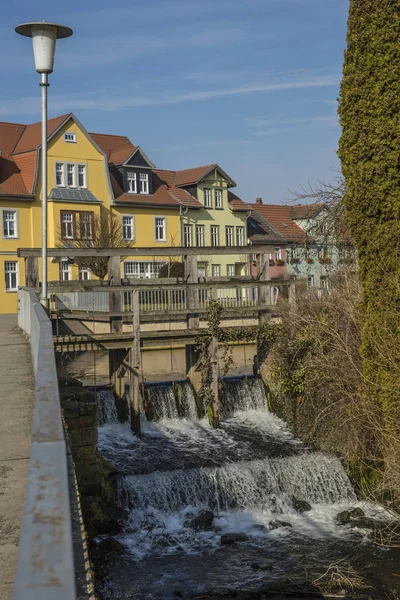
117, 371
193, 319
134, 379
263, 290
114, 277
292, 294
214, 363
32, 271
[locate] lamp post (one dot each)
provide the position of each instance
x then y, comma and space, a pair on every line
44, 36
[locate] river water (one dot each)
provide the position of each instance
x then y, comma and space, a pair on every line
250, 473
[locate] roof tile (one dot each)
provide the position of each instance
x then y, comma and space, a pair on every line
280, 218
189, 176
31, 138
117, 148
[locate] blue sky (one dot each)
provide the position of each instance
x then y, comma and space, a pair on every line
249, 84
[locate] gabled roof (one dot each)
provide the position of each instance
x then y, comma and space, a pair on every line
306, 211
280, 217
117, 148
161, 195
196, 174
11, 181
31, 138
237, 204
260, 230
169, 179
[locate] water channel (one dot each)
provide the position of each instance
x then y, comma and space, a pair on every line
183, 486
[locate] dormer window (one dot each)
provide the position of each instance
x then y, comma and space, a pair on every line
144, 183
131, 177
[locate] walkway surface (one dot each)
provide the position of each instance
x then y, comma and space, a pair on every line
16, 406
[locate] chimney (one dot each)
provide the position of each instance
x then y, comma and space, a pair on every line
258, 200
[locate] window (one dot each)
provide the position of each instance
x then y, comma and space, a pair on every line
84, 273
127, 227
10, 229
65, 270
144, 183
11, 275
71, 175
207, 198
67, 225
240, 236
86, 224
142, 270
230, 270
187, 236
201, 269
310, 281
131, 177
277, 254
59, 174
229, 235
324, 283
199, 235
82, 176
324, 228
214, 235
216, 270
70, 137
218, 198
160, 229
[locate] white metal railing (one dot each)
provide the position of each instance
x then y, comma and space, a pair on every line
45, 568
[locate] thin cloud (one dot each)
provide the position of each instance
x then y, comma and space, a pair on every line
62, 103
267, 122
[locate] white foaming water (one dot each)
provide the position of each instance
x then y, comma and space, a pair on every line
105, 407
247, 473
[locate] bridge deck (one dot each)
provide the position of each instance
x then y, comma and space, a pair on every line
16, 405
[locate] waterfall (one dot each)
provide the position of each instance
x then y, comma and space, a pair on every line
105, 407
242, 394
267, 483
171, 400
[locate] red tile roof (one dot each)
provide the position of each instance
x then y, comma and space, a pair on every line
236, 203
161, 195
117, 148
11, 179
280, 217
31, 138
169, 178
305, 211
190, 176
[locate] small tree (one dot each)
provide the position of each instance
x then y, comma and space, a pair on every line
106, 233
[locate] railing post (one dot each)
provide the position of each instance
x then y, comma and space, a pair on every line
292, 294
114, 277
263, 275
32, 272
134, 379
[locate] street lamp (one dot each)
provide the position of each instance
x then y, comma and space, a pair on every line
44, 36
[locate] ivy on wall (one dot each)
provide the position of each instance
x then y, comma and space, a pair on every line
369, 150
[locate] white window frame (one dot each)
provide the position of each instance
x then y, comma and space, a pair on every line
88, 224
6, 236
230, 270
61, 172
187, 236
207, 197
218, 199
126, 225
85, 271
8, 273
142, 269
240, 236
214, 235
229, 235
70, 137
64, 271
277, 254
311, 280
157, 227
72, 222
215, 270
144, 183
132, 182
75, 175
199, 236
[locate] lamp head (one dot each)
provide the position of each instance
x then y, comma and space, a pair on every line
44, 36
